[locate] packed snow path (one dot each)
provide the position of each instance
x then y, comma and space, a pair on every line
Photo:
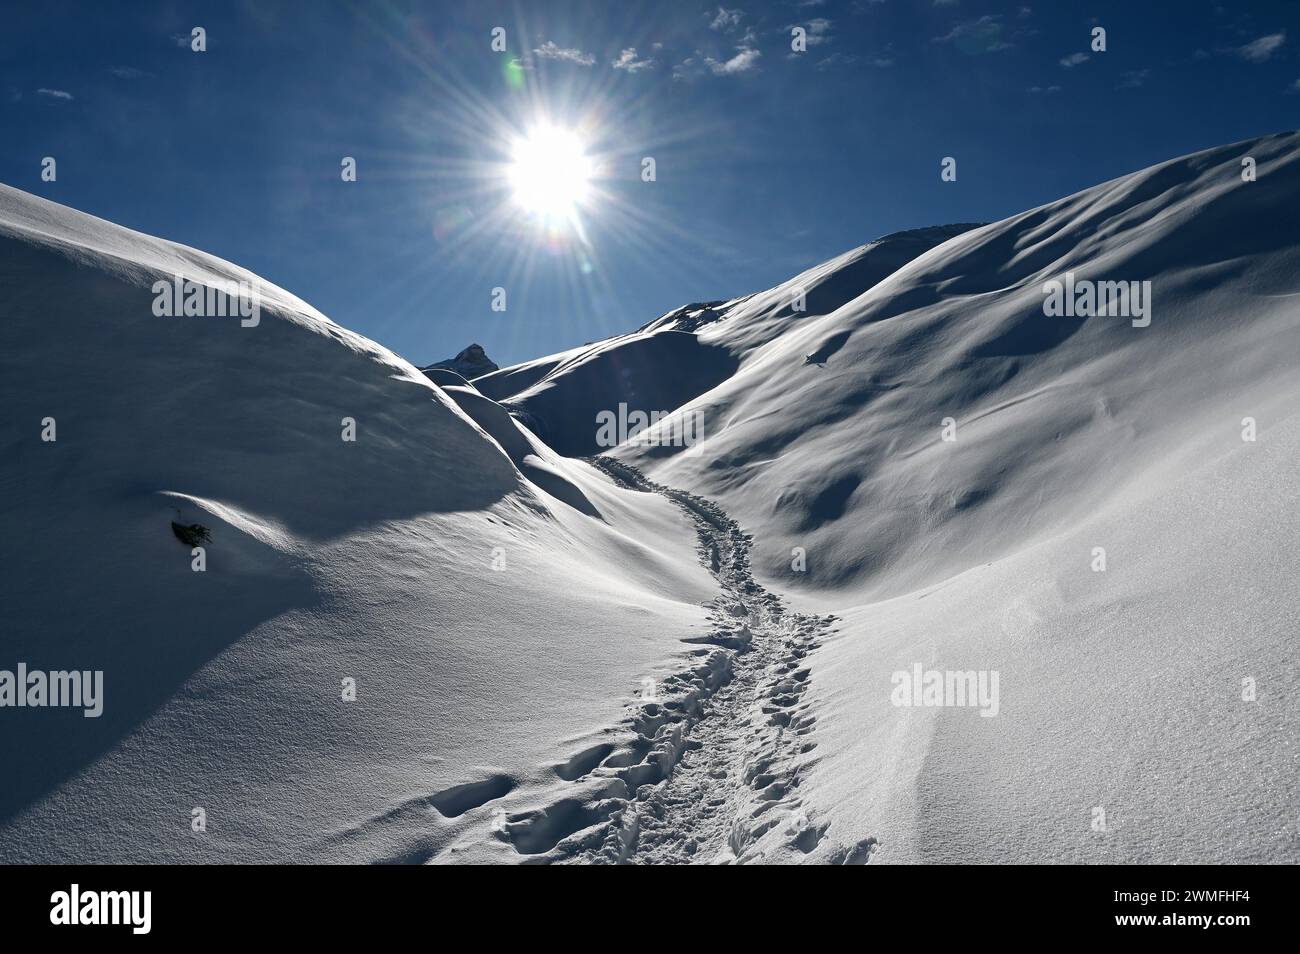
705, 768
733, 734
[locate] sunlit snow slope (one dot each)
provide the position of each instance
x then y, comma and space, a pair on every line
681, 355
496, 606
1158, 694
1121, 689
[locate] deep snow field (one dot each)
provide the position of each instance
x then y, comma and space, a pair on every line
674, 653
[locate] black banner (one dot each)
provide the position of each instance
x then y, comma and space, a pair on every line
137, 904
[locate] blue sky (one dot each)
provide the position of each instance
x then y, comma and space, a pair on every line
767, 161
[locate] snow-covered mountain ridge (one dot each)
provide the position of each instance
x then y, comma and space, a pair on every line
422, 630
389, 608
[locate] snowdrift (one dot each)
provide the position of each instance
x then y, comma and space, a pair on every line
1122, 688
681, 355
843, 454
491, 629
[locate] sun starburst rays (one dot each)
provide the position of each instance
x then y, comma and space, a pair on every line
536, 182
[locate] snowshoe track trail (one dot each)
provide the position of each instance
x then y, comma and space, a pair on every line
732, 748
706, 767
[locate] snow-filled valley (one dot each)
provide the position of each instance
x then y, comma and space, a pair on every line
426, 622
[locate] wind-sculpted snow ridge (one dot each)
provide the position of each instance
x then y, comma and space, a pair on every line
708, 766
650, 372
828, 436
400, 589
690, 317
691, 350
1097, 506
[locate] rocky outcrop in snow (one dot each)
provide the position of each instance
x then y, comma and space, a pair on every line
469, 364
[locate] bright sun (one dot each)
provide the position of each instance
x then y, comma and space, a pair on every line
550, 173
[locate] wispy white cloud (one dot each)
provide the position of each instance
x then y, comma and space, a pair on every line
686, 68
1074, 59
62, 94
977, 36
1257, 51
726, 19
627, 60
819, 31
816, 31
836, 60
550, 50
745, 60
840, 60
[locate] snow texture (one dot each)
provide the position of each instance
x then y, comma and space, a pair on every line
673, 653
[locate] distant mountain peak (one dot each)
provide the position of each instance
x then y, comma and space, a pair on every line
470, 363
